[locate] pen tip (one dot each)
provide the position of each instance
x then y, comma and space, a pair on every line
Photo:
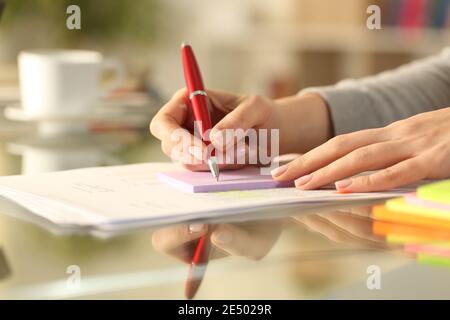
183, 44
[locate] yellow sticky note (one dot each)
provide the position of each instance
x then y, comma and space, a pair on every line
438, 191
405, 239
401, 205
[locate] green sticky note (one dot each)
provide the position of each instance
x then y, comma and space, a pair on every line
433, 260
437, 191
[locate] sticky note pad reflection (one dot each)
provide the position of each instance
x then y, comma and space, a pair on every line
242, 179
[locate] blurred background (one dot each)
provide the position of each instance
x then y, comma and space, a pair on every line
274, 48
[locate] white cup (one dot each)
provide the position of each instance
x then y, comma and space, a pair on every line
64, 82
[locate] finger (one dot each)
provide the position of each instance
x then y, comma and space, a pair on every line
332, 232
372, 157
320, 225
187, 151
328, 152
178, 241
356, 225
232, 158
167, 126
227, 159
239, 241
362, 211
400, 174
251, 112
223, 101
171, 116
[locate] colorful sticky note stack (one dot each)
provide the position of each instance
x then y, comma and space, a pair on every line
419, 221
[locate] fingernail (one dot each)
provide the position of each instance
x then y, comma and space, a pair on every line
279, 171
342, 184
223, 237
194, 228
196, 152
303, 180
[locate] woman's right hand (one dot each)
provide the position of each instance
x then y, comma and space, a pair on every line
253, 239
174, 125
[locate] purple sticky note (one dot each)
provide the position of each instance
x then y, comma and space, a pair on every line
242, 179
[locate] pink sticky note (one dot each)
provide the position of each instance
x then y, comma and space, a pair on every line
242, 179
429, 249
412, 199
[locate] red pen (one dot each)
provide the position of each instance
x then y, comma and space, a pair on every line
199, 101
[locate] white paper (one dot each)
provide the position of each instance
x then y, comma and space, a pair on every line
131, 194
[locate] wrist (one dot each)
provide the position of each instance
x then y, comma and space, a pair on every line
304, 123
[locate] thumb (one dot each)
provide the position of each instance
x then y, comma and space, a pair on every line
238, 241
251, 112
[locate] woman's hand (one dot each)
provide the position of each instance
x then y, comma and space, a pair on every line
352, 226
252, 240
228, 111
240, 113
404, 152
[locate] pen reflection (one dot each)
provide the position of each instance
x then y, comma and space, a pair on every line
252, 240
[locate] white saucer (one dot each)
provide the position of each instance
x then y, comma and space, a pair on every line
16, 113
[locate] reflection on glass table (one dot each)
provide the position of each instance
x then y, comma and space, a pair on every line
301, 256
292, 255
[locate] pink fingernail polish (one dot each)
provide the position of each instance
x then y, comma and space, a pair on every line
342, 184
279, 171
303, 180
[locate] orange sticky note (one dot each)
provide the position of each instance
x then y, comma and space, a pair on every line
425, 234
380, 212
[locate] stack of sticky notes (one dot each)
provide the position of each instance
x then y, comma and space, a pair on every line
419, 221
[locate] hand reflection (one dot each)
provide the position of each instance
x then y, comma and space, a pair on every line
252, 240
349, 226
5, 271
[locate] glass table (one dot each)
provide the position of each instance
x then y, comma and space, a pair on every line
329, 254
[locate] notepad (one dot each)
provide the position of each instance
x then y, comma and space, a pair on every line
401, 205
426, 234
437, 249
438, 191
242, 179
414, 200
380, 212
433, 260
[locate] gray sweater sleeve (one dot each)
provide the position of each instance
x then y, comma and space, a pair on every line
376, 101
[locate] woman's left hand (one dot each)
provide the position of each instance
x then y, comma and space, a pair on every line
404, 152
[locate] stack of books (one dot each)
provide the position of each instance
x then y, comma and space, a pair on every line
415, 13
419, 221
